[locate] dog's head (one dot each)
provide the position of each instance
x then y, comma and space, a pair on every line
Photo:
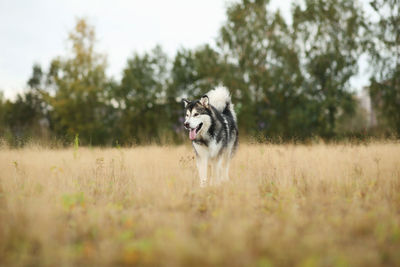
197, 117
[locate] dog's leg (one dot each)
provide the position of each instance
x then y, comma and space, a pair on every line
218, 174
225, 167
202, 168
226, 171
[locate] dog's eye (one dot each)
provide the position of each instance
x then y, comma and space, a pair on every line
196, 114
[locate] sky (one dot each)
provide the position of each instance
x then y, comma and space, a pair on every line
36, 31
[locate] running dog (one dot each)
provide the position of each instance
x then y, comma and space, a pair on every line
212, 126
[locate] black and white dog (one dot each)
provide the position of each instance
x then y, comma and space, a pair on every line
211, 122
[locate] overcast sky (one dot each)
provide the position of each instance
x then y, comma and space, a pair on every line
36, 31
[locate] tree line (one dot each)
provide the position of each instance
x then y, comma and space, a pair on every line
288, 80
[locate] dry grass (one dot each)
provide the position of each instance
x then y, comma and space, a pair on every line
321, 205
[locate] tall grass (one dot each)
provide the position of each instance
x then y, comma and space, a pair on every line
285, 205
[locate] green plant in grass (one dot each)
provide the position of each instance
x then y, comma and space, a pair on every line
76, 146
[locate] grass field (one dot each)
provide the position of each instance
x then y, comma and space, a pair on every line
285, 205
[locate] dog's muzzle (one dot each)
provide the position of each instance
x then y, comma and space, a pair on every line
193, 131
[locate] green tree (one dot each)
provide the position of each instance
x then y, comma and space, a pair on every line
194, 72
23, 117
385, 59
329, 36
263, 67
77, 89
141, 97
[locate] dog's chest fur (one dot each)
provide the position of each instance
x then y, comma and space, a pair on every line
210, 151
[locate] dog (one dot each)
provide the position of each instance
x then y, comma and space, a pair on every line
212, 125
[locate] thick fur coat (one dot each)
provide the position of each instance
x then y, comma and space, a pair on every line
212, 126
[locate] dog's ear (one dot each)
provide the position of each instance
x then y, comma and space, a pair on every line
185, 102
204, 101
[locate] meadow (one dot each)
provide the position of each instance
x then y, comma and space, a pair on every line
285, 205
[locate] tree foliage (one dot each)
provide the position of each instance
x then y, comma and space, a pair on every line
259, 48
385, 53
329, 34
141, 97
77, 88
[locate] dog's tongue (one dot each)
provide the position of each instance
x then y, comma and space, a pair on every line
192, 134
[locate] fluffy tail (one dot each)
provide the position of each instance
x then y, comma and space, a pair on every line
220, 98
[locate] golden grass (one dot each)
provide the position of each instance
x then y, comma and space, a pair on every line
286, 205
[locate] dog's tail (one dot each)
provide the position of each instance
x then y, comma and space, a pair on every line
220, 98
